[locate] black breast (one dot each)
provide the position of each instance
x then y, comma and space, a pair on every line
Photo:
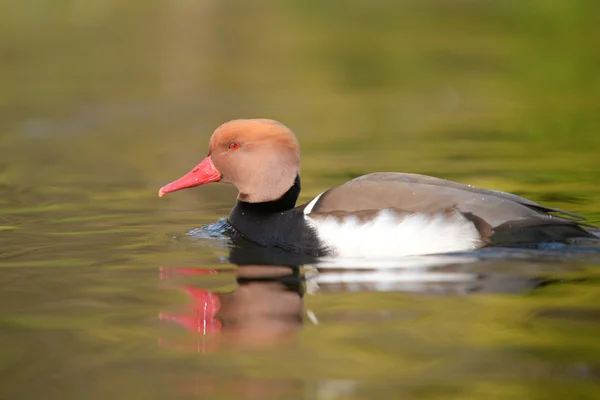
277, 224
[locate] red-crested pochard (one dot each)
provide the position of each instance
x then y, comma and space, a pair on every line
380, 214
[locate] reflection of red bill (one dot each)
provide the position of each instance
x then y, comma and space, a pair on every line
201, 317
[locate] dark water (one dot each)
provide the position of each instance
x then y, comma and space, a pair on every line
106, 295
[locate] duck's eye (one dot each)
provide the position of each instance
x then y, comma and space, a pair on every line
234, 145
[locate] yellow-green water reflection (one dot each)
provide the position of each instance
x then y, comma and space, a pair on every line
103, 101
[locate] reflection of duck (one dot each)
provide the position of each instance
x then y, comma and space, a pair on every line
265, 308
385, 214
446, 278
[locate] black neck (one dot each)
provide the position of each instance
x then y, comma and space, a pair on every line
276, 224
284, 203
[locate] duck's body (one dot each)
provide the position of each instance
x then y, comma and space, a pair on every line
381, 214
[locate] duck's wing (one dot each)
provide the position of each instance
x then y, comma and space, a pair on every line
496, 214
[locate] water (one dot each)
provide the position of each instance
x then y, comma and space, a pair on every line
109, 291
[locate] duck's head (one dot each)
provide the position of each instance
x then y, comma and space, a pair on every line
260, 157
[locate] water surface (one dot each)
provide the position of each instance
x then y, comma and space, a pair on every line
104, 292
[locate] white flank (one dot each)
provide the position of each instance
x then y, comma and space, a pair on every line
389, 236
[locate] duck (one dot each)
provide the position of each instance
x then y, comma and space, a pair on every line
380, 214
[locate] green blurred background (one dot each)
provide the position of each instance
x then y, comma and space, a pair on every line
104, 101
502, 94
